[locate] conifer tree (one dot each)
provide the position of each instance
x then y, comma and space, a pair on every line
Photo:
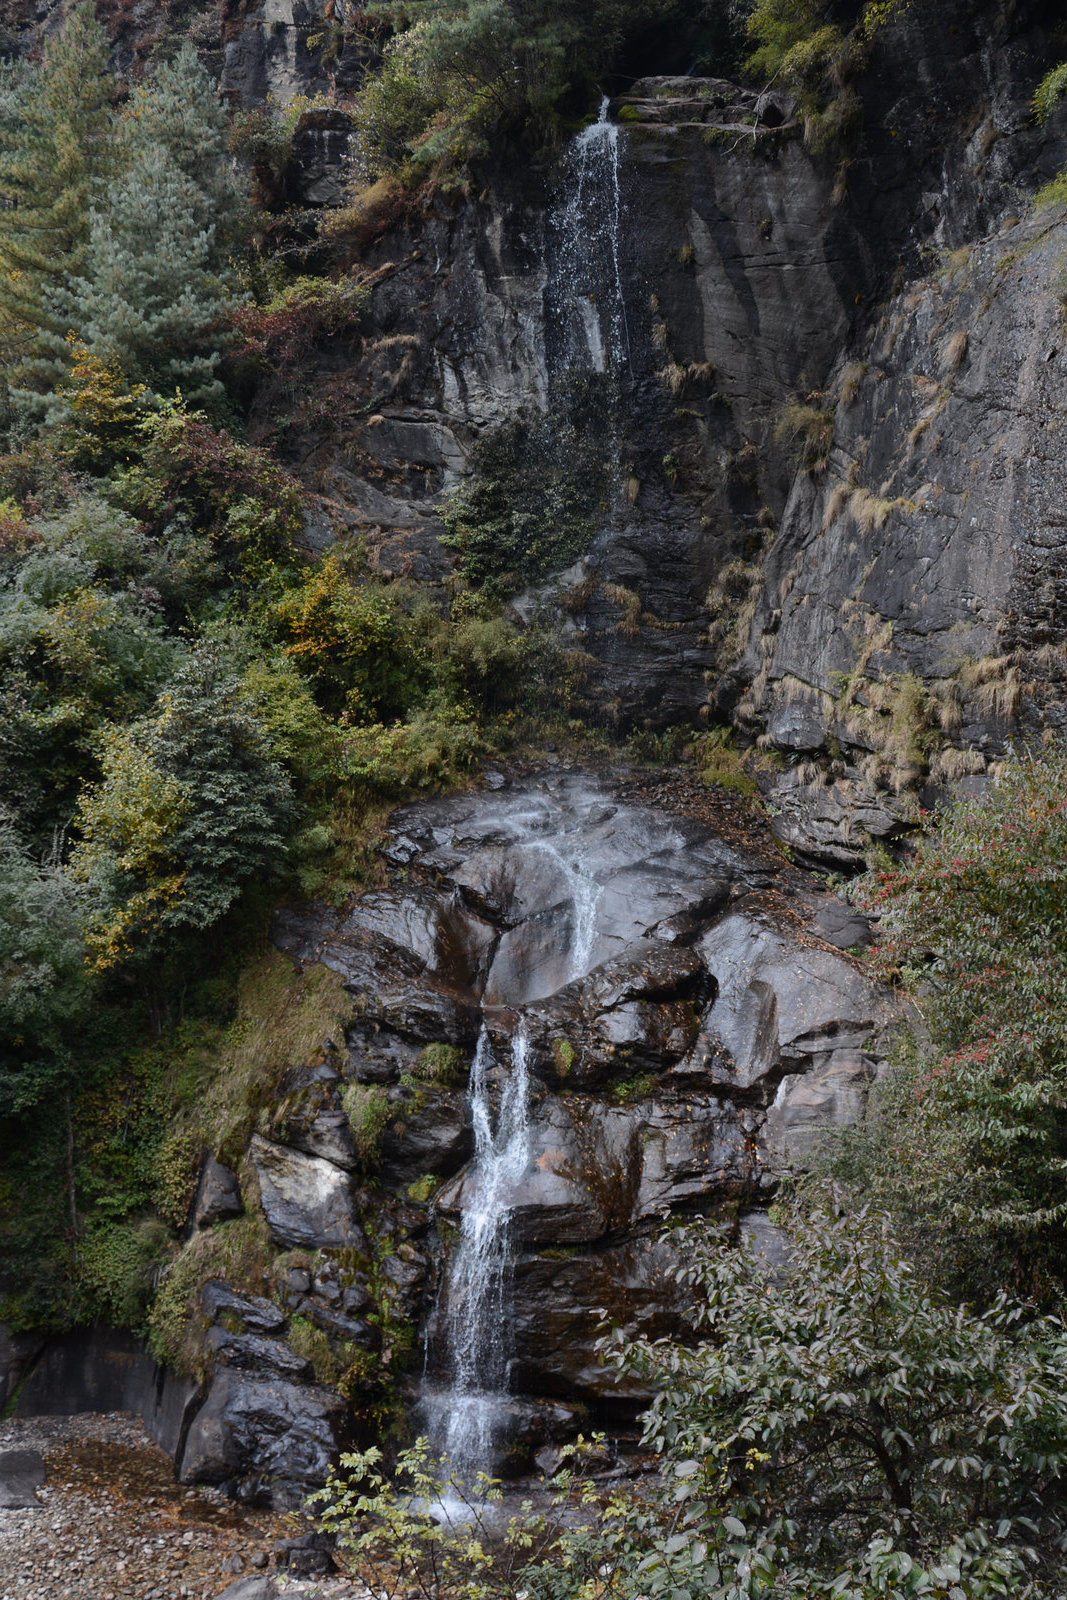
150, 295
178, 108
54, 154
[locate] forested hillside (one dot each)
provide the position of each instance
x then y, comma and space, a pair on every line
658, 387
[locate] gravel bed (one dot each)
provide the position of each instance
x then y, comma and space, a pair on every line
112, 1524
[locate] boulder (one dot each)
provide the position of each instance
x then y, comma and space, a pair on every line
218, 1196
339, 1327
306, 1555
432, 1139
694, 1150
270, 1358
273, 1440
837, 923
780, 1003
21, 1475
253, 1588
440, 932
306, 1200
240, 1312
562, 1303
391, 985
580, 1179
809, 1106
309, 1117
636, 1013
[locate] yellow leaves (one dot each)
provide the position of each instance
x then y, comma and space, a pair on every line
112, 943
132, 814
126, 823
100, 399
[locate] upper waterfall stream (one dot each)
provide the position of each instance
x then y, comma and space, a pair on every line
585, 295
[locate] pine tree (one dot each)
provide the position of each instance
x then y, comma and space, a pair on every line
150, 298
178, 108
54, 154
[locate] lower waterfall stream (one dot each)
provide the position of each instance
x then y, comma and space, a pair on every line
472, 1321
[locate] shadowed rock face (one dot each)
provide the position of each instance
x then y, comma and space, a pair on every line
757, 278
685, 1040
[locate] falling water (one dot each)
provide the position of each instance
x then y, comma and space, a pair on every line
473, 1320
586, 302
478, 1283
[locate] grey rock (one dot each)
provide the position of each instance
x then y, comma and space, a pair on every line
580, 1180
391, 985
840, 925
809, 1106
442, 934
436, 1138
309, 1554
694, 1150
218, 1196
356, 1298
560, 1307
635, 1013
306, 1200
248, 1313
21, 1474
321, 155
309, 1116
251, 1353
254, 1588
350, 1330
780, 1003
274, 1440
18, 1352
768, 1243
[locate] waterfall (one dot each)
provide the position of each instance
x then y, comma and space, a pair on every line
471, 1325
586, 305
475, 1321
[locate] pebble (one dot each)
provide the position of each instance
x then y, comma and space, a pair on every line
96, 1534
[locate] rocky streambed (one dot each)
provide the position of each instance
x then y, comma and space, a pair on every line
691, 1020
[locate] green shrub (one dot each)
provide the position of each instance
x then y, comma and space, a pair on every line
119, 1263
465, 74
629, 1091
836, 1431
369, 1114
177, 1172
240, 1252
537, 482
443, 1064
967, 1142
1049, 92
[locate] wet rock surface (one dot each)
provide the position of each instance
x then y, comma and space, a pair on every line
690, 1020
690, 1027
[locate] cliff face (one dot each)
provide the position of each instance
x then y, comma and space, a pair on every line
827, 389
834, 375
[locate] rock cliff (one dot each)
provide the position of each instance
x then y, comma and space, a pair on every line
832, 475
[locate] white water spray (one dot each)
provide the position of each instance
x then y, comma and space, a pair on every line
473, 1318
586, 292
